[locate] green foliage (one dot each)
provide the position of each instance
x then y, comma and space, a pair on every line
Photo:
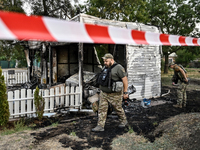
173, 17
101, 51
184, 57
59, 9
10, 51
130, 130
4, 107
123, 10
73, 133
11, 5
39, 104
18, 127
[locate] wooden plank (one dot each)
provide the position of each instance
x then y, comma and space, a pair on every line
51, 99
72, 96
33, 100
77, 97
62, 97
67, 97
23, 102
57, 97
10, 96
29, 100
16, 103
46, 99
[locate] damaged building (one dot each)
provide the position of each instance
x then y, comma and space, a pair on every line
61, 61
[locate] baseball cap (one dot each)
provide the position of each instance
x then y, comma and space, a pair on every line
108, 55
170, 64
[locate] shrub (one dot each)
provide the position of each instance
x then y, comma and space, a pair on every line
4, 107
39, 104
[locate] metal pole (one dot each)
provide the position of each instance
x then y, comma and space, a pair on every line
50, 65
80, 61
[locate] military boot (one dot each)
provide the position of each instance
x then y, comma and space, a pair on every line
184, 105
123, 124
178, 105
97, 129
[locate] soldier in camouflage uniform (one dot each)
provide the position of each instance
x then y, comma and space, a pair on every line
115, 98
181, 75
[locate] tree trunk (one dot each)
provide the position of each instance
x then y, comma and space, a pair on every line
45, 8
166, 63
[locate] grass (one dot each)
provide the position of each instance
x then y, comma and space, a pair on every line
73, 133
130, 129
54, 124
18, 127
136, 142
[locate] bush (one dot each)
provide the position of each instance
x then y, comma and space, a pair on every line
4, 107
39, 104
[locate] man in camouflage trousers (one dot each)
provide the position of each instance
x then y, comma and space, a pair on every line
115, 98
180, 75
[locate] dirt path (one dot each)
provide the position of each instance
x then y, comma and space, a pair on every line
74, 130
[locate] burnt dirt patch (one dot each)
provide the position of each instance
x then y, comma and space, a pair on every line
159, 121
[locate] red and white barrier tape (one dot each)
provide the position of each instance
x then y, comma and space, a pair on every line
15, 26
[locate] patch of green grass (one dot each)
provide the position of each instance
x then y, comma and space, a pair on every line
155, 123
54, 124
73, 133
18, 126
130, 129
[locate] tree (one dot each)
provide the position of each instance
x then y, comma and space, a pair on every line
122, 10
184, 56
39, 104
11, 5
62, 9
176, 17
4, 107
8, 50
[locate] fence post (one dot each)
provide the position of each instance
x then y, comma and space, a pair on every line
72, 96
23, 104
77, 97
33, 100
10, 96
46, 100
29, 99
62, 97
57, 97
16, 103
67, 96
51, 99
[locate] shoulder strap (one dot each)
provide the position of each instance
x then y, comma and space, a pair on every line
182, 68
113, 65
110, 77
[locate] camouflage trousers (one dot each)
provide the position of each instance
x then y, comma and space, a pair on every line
116, 100
181, 94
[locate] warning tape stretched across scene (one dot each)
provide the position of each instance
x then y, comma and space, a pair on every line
15, 26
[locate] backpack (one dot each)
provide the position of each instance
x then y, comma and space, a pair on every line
104, 78
182, 68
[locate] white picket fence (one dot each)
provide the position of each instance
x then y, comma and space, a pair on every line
21, 102
17, 78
